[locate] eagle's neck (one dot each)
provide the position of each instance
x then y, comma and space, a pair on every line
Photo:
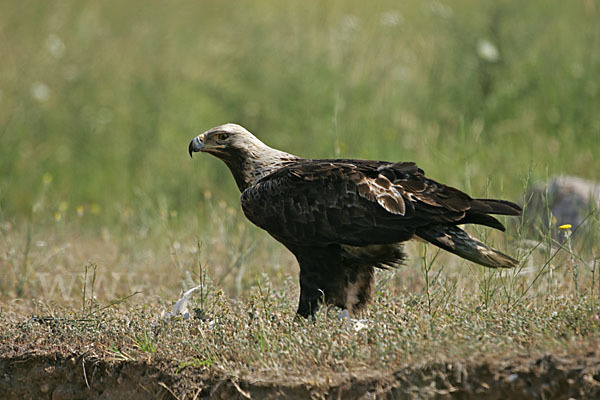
250, 165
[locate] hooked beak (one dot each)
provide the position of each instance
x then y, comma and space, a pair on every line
196, 144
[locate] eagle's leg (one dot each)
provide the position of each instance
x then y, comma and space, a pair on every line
359, 288
327, 275
323, 285
310, 297
320, 283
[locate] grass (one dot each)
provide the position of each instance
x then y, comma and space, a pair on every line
257, 337
99, 199
387, 82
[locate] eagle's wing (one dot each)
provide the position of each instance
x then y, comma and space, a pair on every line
355, 202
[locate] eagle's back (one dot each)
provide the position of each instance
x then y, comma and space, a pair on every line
353, 202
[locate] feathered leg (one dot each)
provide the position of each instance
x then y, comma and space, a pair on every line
310, 296
326, 277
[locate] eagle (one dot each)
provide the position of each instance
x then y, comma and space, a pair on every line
344, 218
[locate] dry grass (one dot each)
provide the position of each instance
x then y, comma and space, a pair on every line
436, 306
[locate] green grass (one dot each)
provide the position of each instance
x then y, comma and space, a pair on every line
129, 85
99, 100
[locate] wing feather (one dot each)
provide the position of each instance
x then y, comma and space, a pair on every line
358, 202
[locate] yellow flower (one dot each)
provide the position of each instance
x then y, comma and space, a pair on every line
565, 226
47, 179
63, 206
79, 209
57, 216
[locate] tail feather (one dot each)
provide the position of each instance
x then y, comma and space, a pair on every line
480, 208
481, 219
455, 240
491, 206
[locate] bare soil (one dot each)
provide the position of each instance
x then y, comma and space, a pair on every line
75, 377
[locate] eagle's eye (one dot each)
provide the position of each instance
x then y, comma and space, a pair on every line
222, 136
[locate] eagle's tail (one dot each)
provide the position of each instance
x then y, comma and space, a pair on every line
457, 241
481, 208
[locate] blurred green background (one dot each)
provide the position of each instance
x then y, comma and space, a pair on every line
99, 99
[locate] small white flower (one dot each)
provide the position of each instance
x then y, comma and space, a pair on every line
357, 324
487, 51
360, 324
441, 10
55, 46
350, 22
348, 25
40, 91
391, 18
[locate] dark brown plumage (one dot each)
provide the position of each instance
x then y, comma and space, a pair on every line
343, 218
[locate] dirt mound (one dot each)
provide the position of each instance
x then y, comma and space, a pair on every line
59, 377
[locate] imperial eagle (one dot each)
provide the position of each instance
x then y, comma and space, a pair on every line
344, 218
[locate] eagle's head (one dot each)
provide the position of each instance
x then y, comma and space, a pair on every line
248, 158
225, 142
